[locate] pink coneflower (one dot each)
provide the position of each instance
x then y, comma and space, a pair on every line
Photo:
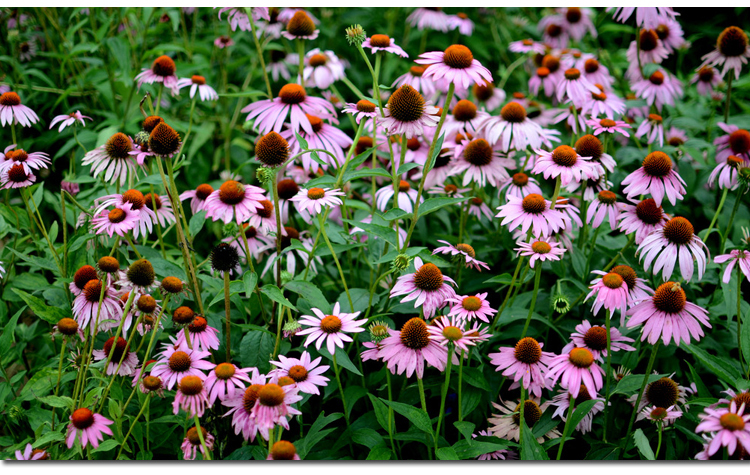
407, 113
574, 87
488, 95
735, 142
507, 425
727, 172
27, 49
707, 79
278, 66
331, 329
480, 163
383, 43
69, 119
70, 187
322, 68
731, 51
637, 288
306, 373
293, 101
534, 212
192, 443
544, 80
520, 185
363, 109
461, 22
300, 26
470, 307
642, 219
203, 337
233, 199
527, 46
456, 64
611, 292
29, 453
197, 197
176, 362
28, 161
86, 304
190, 396
283, 450
541, 249
313, 201
563, 162
119, 220
137, 202
223, 42
729, 427
119, 351
602, 103
465, 119
414, 79
562, 402
479, 209
113, 159
595, 72
241, 406
609, 126
264, 218
408, 350
652, 128
658, 89
323, 136
206, 92
13, 112
605, 205
496, 455
577, 368
514, 127
647, 17
445, 330
407, 196
554, 33
526, 363
274, 405
91, 426
429, 18
257, 242
674, 242
236, 17
226, 380
735, 256
656, 177
662, 415
594, 338
669, 315
465, 250
162, 70
161, 207
427, 286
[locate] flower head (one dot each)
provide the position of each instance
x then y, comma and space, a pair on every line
526, 363
13, 112
90, 425
427, 286
331, 329
408, 350
674, 242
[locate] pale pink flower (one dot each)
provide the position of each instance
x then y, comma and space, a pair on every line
562, 402
190, 396
197, 197
233, 200
731, 51
605, 205
203, 337
527, 46
642, 219
13, 112
407, 113
657, 177
427, 286
90, 425
306, 372
192, 443
119, 220
707, 79
674, 242
575, 88
647, 17
313, 200
383, 43
226, 380
274, 406
462, 23
205, 92
464, 250
113, 159
69, 119
514, 128
564, 162
729, 427
577, 368
525, 363
534, 212
331, 329
520, 185
242, 404
414, 79
86, 307
322, 68
480, 162
470, 307
162, 70
446, 330
735, 256
30, 454
293, 102
176, 362
119, 352
662, 415
541, 249
658, 89
456, 64
426, 18
408, 350
594, 338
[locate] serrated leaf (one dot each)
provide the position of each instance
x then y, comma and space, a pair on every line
256, 348
446, 453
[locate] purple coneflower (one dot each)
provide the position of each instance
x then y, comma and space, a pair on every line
427, 286
206, 92
594, 338
577, 368
331, 329
532, 211
470, 307
113, 159
176, 362
13, 112
656, 177
162, 70
313, 200
190, 396
322, 68
675, 242
30, 453
69, 119
233, 199
465, 250
527, 46
541, 249
224, 380
414, 79
526, 363
197, 197
86, 304
192, 443
293, 101
429, 18
363, 109
735, 256
90, 425
729, 427
456, 64
119, 352
707, 79
731, 51
408, 350
383, 43
273, 406
306, 373
407, 113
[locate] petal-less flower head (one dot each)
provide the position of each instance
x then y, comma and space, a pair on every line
427, 286
13, 112
657, 178
675, 242
113, 159
383, 43
313, 200
526, 363
642, 219
594, 338
534, 212
575, 369
196, 82
408, 350
462, 249
92, 426
668, 315
731, 51
541, 249
737, 256
471, 307
729, 427
457, 65
233, 200
331, 329
162, 70
283, 450
407, 113
69, 119
306, 373
292, 101
300, 26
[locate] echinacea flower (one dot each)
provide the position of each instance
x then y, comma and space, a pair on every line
119, 353
595, 72
735, 142
707, 79
69, 119
465, 250
331, 329
429, 18
520, 185
526, 363
407, 113
86, 307
668, 315
541, 249
507, 425
574, 87
427, 286
658, 89
190, 396
661, 415
29, 162
176, 362
533, 212
273, 406
652, 50
480, 163
652, 128
602, 103
497, 454
306, 373
676, 241
456, 64
451, 330
197, 197
471, 307
283, 450
162, 70
90, 425
192, 443
363, 109
205, 92
233, 199
414, 78
30, 453
301, 27
138, 207
292, 102
729, 427
563, 162
407, 196
119, 220
731, 51
642, 219
323, 136
13, 112
241, 406
383, 43
408, 350
202, 336
322, 68
734, 257
727, 173
527, 46
543, 80
594, 339
461, 22
225, 380
647, 17
562, 402
313, 201
657, 177
113, 159
224, 42
576, 368
512, 128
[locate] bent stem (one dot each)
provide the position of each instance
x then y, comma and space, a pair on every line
626, 439
658, 445
537, 278
206, 453
567, 424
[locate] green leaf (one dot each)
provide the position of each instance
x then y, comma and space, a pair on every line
643, 446
108, 444
256, 349
530, 448
418, 417
433, 204
579, 262
505, 278
720, 368
380, 452
196, 222
250, 279
48, 438
48, 264
235, 287
381, 411
474, 377
57, 401
632, 383
360, 298
446, 453
251, 93
6, 339
342, 359
311, 293
275, 294
465, 428
316, 433
395, 213
472, 448
353, 394
41, 309
745, 337
382, 232
367, 437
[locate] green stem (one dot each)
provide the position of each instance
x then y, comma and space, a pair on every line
227, 309
335, 259
716, 214
507, 295
423, 401
537, 278
729, 99
337, 371
567, 424
558, 182
444, 392
119, 364
13, 132
260, 52
243, 239
301, 53
206, 453
658, 445
43, 228
59, 376
158, 99
739, 316
390, 410
651, 360
149, 348
132, 425
607, 323
460, 381
731, 217
127, 238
